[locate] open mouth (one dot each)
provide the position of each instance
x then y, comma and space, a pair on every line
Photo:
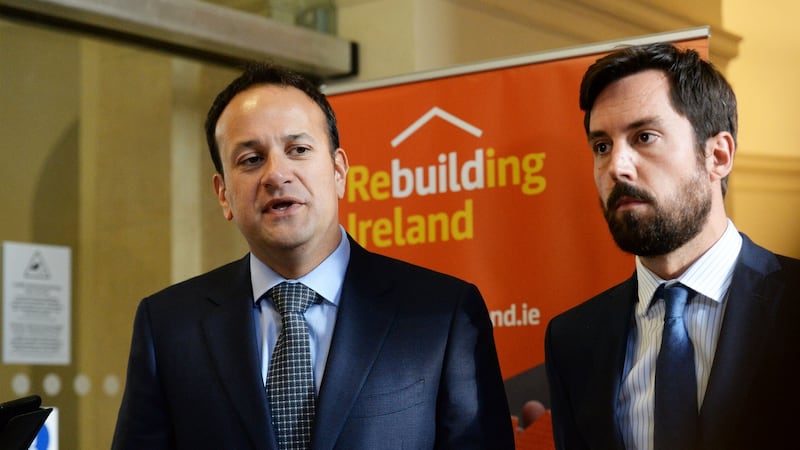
281, 206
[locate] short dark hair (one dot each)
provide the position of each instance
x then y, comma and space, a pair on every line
698, 91
258, 73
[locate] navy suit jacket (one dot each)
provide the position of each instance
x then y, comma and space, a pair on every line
412, 365
752, 396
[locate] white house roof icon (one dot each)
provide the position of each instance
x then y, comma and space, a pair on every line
435, 112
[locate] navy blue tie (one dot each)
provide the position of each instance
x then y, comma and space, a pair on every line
676, 383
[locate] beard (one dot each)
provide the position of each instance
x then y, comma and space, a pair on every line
670, 225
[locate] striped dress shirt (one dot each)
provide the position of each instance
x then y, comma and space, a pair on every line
709, 278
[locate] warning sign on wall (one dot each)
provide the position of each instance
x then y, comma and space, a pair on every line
36, 303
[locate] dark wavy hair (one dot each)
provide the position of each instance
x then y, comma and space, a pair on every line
698, 91
262, 73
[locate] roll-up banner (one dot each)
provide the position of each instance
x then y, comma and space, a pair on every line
483, 171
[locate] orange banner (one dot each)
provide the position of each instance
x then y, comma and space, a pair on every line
485, 175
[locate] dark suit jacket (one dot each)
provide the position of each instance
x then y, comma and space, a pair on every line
412, 365
753, 394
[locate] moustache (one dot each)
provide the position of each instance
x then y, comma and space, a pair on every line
626, 190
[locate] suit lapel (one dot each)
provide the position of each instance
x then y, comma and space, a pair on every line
366, 311
749, 315
231, 341
608, 362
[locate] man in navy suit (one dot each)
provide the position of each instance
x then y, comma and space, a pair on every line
661, 124
402, 357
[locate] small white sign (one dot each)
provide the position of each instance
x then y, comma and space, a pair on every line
47, 438
37, 294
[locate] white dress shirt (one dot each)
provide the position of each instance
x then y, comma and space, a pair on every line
326, 280
709, 277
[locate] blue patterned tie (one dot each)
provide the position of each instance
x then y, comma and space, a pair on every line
290, 383
676, 383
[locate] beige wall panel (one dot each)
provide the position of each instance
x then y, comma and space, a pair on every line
764, 184
39, 167
124, 251
384, 30
450, 33
404, 36
766, 74
765, 201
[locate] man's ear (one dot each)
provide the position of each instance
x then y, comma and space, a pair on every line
340, 168
720, 150
222, 198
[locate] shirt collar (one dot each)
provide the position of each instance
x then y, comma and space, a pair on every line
709, 276
326, 279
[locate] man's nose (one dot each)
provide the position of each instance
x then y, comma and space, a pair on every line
621, 163
275, 170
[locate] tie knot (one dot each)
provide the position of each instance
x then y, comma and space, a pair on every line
292, 297
675, 298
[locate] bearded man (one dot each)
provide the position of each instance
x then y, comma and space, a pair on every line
697, 349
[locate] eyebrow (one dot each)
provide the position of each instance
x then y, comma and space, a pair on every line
296, 136
246, 145
640, 123
255, 143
